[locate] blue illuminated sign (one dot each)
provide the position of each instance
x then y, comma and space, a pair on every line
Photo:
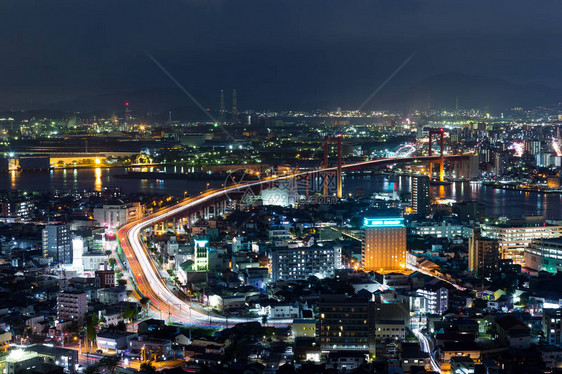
384, 222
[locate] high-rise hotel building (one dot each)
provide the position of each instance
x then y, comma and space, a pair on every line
421, 202
384, 244
483, 255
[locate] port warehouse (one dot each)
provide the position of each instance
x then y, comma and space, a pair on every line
44, 162
36, 162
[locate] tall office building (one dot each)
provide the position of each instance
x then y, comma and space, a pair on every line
420, 195
304, 262
345, 323
483, 254
467, 211
57, 243
201, 255
533, 147
469, 168
552, 326
384, 244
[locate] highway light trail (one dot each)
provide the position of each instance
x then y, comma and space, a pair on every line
150, 282
426, 347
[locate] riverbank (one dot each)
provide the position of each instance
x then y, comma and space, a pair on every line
511, 187
165, 176
499, 202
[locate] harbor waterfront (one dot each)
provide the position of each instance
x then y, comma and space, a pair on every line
499, 202
280, 187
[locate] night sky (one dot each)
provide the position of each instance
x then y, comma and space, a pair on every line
277, 53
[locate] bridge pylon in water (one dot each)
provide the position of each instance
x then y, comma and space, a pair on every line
339, 187
440, 132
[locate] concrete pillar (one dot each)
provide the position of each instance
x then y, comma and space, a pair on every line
339, 182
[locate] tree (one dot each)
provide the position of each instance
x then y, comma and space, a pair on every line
110, 363
73, 328
121, 326
148, 368
91, 327
130, 313
112, 262
144, 302
92, 369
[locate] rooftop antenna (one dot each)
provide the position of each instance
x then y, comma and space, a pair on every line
222, 113
186, 92
127, 111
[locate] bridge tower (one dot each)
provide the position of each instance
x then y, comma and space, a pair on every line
440, 132
339, 187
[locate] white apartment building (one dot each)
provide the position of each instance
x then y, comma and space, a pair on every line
115, 215
440, 229
72, 306
303, 262
514, 239
112, 295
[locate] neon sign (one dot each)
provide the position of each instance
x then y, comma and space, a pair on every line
384, 222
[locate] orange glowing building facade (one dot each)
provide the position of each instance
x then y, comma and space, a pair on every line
384, 244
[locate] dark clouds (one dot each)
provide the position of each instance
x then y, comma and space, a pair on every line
277, 53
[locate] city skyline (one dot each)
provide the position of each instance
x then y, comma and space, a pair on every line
280, 187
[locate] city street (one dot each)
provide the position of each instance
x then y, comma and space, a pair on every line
427, 346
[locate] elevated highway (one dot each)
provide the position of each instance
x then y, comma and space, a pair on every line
148, 279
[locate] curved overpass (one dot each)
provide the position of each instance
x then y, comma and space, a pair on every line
150, 283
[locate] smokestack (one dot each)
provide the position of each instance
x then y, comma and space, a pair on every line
222, 113
234, 109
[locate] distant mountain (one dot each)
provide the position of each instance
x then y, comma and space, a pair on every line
19, 115
441, 91
152, 102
